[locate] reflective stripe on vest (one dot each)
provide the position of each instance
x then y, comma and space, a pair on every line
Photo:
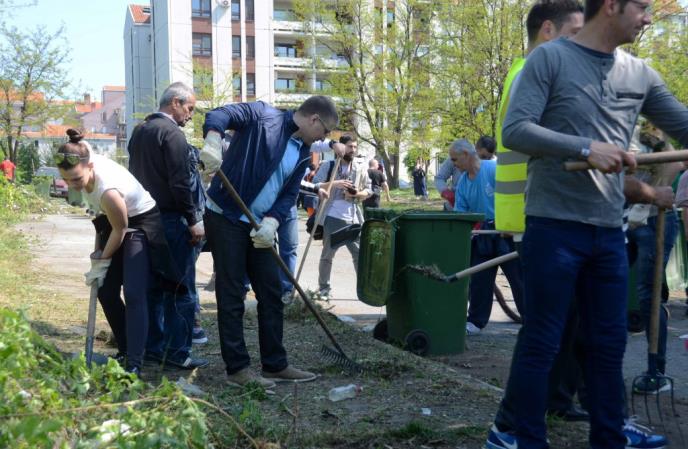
511, 172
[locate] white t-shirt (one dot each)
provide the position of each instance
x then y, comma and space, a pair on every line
110, 175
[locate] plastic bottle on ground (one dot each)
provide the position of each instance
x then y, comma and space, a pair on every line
346, 392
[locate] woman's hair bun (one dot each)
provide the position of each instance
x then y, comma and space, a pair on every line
74, 135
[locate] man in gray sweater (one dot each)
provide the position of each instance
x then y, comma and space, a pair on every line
579, 99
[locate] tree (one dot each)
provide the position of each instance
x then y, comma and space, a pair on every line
384, 81
665, 45
33, 74
212, 91
475, 43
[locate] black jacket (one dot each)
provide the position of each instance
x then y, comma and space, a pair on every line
160, 158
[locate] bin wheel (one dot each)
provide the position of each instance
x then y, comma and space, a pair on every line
417, 342
381, 331
505, 307
635, 321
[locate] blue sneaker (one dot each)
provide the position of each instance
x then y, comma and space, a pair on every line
640, 437
500, 440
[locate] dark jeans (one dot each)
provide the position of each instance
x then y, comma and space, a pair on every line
641, 251
171, 315
130, 268
564, 260
235, 257
288, 235
484, 248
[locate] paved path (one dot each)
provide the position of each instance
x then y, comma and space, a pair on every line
65, 241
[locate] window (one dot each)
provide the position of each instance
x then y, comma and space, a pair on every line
250, 47
236, 47
286, 15
250, 84
200, 8
202, 44
285, 84
390, 18
104, 116
250, 15
322, 85
236, 85
285, 51
236, 10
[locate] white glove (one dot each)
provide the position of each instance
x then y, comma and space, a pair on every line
99, 268
211, 154
265, 236
638, 215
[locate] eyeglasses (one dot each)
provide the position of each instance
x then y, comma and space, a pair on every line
327, 130
70, 158
645, 7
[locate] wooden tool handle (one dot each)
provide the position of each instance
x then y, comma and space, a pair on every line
641, 159
657, 282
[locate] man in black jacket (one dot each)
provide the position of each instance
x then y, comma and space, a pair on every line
162, 160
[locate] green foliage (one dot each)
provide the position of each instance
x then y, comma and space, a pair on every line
53, 402
33, 73
27, 162
17, 200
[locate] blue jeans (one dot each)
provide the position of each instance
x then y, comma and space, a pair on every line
484, 248
641, 250
235, 258
288, 234
563, 260
171, 315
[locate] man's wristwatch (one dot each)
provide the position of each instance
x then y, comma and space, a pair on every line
584, 153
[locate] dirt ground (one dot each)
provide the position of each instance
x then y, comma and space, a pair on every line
406, 402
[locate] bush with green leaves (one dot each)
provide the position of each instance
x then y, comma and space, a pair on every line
16, 200
50, 401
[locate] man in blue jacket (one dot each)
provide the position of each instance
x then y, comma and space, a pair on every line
265, 163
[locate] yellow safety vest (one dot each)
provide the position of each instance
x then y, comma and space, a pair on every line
512, 169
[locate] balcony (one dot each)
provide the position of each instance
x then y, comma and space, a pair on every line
299, 64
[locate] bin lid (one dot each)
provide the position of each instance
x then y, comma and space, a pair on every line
376, 262
442, 215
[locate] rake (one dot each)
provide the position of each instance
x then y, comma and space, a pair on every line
653, 376
337, 355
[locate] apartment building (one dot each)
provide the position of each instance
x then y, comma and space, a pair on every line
247, 49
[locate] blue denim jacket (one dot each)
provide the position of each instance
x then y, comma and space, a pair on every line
261, 133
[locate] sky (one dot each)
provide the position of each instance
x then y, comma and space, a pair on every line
93, 29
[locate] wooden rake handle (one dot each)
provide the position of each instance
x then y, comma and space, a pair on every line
641, 159
657, 281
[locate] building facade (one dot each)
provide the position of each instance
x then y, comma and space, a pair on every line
246, 49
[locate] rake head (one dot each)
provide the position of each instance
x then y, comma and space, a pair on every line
338, 358
655, 383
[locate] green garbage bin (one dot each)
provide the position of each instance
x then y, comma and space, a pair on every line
426, 316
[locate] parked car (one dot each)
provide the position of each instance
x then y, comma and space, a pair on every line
58, 187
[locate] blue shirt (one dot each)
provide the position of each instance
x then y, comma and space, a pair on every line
268, 194
260, 139
477, 195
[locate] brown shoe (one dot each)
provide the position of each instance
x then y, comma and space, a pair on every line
290, 374
245, 376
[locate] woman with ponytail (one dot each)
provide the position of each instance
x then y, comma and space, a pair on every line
128, 249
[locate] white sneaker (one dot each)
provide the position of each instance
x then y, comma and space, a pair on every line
472, 329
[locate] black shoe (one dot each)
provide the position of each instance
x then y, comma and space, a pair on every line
573, 414
120, 358
188, 363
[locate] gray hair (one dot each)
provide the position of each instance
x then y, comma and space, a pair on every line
176, 90
462, 145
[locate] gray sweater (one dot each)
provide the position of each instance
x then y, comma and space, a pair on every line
567, 96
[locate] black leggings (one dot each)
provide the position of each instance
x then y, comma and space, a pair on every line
130, 268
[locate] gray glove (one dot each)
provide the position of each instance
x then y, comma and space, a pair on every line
211, 154
265, 236
99, 268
